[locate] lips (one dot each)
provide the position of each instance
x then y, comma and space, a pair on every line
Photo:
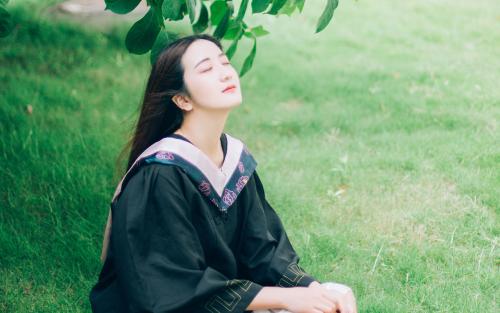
228, 88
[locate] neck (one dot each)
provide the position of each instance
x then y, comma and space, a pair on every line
204, 129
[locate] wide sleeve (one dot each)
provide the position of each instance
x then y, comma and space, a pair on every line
159, 259
266, 254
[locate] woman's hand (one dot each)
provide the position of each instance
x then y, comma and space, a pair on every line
318, 298
347, 299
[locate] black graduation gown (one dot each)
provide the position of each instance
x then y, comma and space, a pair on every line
171, 250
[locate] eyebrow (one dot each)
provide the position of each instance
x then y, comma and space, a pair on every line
206, 59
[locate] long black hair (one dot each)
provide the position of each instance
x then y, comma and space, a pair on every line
160, 116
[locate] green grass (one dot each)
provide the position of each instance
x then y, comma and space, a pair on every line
395, 104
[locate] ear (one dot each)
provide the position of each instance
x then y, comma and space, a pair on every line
183, 102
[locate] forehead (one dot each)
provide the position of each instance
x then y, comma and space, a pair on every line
199, 50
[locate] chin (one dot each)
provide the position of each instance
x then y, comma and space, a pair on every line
225, 106
234, 103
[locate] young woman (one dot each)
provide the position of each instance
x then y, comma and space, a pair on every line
190, 229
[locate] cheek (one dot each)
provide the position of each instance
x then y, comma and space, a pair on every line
203, 88
196, 83
236, 76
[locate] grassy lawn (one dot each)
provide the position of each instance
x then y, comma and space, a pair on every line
377, 141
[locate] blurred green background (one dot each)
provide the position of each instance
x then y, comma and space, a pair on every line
377, 141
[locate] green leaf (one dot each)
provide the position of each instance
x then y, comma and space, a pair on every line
247, 64
291, 5
234, 28
191, 7
232, 49
121, 6
327, 15
217, 11
234, 45
242, 9
259, 31
221, 28
202, 22
277, 5
6, 24
172, 9
4, 2
162, 40
259, 6
300, 4
288, 8
142, 35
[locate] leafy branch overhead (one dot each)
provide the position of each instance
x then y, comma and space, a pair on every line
217, 17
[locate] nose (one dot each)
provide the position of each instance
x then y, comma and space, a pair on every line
226, 72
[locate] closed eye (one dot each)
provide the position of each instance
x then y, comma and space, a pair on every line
208, 69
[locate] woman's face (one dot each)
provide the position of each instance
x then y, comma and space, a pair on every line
207, 72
